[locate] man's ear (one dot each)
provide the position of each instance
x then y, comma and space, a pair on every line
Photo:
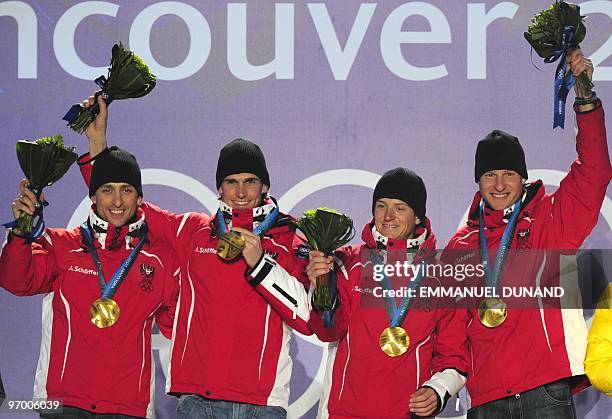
139, 201
265, 188
93, 199
417, 221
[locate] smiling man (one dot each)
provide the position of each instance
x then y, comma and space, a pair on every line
230, 346
500, 169
528, 358
364, 378
105, 282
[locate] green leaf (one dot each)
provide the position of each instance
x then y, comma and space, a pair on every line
326, 229
45, 160
129, 77
544, 32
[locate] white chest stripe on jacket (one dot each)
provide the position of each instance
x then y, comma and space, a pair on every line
177, 312
182, 224
471, 352
263, 347
143, 356
358, 264
151, 255
338, 262
67, 307
276, 244
348, 356
190, 312
418, 363
144, 344
538, 281
467, 235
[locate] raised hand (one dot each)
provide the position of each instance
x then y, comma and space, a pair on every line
318, 265
24, 203
252, 247
96, 131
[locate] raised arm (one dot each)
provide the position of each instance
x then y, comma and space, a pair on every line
577, 202
27, 269
96, 131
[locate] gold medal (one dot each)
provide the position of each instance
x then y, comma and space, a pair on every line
492, 312
104, 312
230, 245
394, 341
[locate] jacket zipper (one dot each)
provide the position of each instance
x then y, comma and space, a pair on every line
288, 297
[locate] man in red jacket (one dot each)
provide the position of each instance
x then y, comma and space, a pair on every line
104, 284
528, 357
364, 378
230, 346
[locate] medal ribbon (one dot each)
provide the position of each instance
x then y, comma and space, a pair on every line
562, 84
259, 230
395, 314
74, 112
39, 227
109, 290
329, 315
492, 279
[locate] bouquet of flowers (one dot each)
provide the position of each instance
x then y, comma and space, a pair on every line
43, 162
128, 78
325, 230
554, 32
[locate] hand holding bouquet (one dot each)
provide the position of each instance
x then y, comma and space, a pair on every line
128, 78
325, 230
43, 162
553, 33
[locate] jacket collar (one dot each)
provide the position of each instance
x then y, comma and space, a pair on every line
425, 239
245, 218
499, 218
414, 243
110, 236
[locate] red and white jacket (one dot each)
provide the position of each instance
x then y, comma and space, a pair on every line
361, 380
233, 324
540, 342
100, 370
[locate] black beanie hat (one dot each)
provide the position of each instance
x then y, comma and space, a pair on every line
115, 165
241, 156
497, 151
405, 185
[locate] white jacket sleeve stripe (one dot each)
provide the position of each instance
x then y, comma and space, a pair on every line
448, 381
282, 286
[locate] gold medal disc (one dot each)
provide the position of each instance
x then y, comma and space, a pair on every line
492, 312
104, 312
230, 245
394, 341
